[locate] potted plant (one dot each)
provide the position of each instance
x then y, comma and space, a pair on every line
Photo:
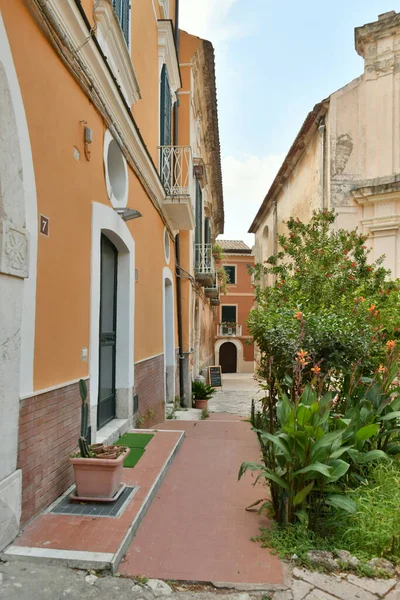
202, 392
222, 279
98, 468
217, 251
229, 327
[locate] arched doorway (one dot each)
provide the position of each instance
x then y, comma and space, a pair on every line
228, 357
111, 348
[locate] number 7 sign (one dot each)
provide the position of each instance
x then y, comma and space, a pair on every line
44, 225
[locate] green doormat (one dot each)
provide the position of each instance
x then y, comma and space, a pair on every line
137, 442
133, 457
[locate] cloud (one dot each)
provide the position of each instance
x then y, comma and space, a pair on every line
246, 181
246, 178
208, 19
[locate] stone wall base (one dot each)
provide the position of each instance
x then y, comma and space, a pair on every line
49, 429
10, 507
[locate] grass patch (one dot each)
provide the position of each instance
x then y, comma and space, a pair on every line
204, 414
372, 531
375, 528
293, 539
137, 443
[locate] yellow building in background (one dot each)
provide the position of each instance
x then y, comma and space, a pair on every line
110, 200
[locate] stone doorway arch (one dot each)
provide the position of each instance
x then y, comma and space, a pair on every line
18, 251
228, 358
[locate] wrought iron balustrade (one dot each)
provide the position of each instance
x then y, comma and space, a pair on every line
176, 168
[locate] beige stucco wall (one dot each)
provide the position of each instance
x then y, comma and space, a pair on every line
364, 146
362, 153
299, 196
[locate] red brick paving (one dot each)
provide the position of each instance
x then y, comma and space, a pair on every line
66, 532
197, 528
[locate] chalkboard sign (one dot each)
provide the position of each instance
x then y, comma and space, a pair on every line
215, 377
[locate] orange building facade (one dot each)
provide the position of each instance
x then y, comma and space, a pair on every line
234, 348
99, 171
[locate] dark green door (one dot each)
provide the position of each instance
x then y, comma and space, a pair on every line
108, 323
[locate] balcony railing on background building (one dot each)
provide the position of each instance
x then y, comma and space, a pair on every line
204, 264
176, 166
231, 330
212, 291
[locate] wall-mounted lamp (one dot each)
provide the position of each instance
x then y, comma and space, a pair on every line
127, 214
198, 171
87, 138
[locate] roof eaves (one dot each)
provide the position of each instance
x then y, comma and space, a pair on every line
210, 93
289, 163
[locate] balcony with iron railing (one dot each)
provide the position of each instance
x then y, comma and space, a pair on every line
176, 173
204, 264
229, 330
212, 291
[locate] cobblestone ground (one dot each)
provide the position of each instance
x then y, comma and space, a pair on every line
21, 580
236, 394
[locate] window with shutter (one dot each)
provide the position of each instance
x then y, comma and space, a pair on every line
122, 8
207, 231
165, 110
199, 214
230, 271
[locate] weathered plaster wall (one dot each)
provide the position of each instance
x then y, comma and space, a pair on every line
298, 197
364, 148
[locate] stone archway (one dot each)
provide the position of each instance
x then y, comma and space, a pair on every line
228, 358
240, 353
17, 261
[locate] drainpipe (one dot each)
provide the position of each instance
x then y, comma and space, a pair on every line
322, 131
179, 310
177, 240
275, 242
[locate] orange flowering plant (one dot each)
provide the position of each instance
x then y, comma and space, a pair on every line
317, 445
326, 297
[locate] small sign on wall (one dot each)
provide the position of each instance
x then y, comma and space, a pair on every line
44, 225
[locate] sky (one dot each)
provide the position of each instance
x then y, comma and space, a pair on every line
274, 62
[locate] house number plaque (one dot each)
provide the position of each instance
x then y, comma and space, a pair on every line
44, 225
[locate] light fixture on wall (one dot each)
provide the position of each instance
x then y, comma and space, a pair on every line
127, 214
87, 139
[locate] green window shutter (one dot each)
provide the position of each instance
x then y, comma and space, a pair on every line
165, 110
207, 231
122, 8
199, 214
230, 273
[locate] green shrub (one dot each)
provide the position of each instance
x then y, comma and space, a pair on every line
315, 446
323, 297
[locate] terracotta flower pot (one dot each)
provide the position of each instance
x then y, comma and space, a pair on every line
98, 477
200, 403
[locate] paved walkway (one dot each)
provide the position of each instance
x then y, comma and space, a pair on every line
197, 528
236, 394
